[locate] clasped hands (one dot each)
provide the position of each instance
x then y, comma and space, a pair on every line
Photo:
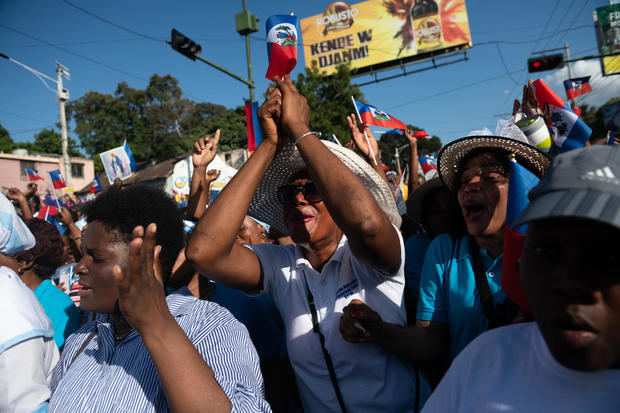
359, 323
285, 114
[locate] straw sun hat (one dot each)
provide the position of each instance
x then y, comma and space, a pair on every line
451, 159
265, 205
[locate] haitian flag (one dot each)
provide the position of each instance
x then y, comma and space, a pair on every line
47, 213
281, 45
521, 181
255, 136
33, 175
420, 134
427, 164
95, 184
569, 130
371, 115
57, 181
577, 87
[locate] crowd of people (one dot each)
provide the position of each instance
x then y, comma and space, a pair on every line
312, 283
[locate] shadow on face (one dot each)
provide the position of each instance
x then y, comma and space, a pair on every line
483, 194
570, 271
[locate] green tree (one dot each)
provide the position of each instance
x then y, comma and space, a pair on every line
389, 142
6, 143
49, 141
594, 118
329, 98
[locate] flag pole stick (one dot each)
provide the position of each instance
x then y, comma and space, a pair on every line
372, 153
53, 190
337, 141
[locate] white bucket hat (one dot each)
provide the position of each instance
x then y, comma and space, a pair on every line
265, 205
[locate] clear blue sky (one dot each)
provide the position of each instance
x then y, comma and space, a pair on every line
440, 100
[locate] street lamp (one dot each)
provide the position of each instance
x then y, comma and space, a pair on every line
62, 96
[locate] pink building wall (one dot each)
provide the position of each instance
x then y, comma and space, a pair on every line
12, 175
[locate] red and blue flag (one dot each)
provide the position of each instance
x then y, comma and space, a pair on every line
95, 185
57, 180
255, 135
427, 164
521, 181
577, 87
569, 130
372, 115
33, 174
281, 45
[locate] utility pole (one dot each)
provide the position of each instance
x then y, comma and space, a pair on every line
397, 160
570, 70
63, 96
248, 56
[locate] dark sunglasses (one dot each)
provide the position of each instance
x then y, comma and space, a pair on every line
287, 193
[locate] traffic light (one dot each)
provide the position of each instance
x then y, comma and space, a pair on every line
184, 45
542, 63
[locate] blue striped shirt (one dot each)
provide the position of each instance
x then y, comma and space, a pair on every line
109, 378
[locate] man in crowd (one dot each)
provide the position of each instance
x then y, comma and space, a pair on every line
569, 359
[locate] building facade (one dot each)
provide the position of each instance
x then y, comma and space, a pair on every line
13, 170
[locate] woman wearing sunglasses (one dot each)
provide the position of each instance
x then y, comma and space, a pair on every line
343, 219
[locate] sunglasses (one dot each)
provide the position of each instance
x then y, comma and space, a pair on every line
287, 193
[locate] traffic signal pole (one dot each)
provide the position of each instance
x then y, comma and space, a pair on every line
249, 60
570, 70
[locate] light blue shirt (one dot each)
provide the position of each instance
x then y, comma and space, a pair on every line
448, 292
415, 251
60, 309
122, 378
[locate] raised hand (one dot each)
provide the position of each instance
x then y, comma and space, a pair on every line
269, 115
295, 113
31, 189
413, 141
15, 194
212, 175
357, 133
140, 285
529, 104
65, 216
360, 323
205, 150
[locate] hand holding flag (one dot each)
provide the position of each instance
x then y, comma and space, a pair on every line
57, 180
570, 131
281, 45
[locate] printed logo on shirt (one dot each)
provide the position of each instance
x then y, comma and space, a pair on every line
347, 289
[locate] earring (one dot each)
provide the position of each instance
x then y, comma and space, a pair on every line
263, 235
20, 271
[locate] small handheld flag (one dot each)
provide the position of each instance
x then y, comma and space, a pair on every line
132, 161
281, 45
570, 131
95, 185
255, 135
521, 181
33, 175
419, 134
57, 181
577, 87
372, 115
427, 164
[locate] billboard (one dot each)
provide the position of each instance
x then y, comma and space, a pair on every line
377, 34
607, 22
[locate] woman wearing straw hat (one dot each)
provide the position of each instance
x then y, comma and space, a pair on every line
456, 272
342, 217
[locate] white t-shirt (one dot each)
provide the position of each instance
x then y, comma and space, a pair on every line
370, 378
510, 369
28, 353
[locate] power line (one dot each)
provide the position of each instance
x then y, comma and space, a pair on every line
499, 51
567, 10
573, 21
19, 132
24, 117
445, 92
74, 43
90, 59
128, 30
